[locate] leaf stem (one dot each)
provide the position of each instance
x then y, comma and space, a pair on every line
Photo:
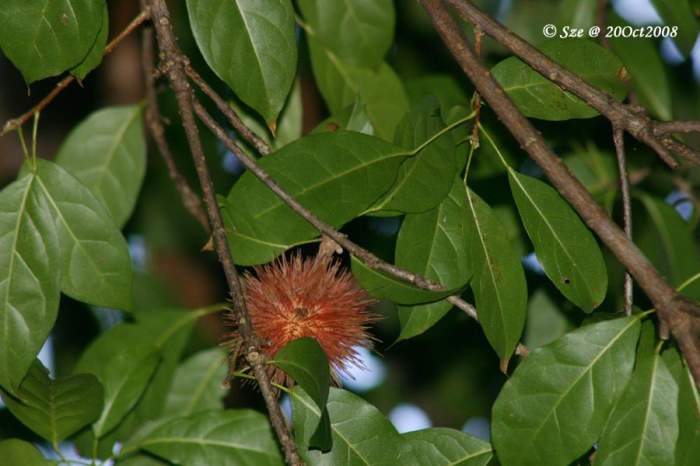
444, 130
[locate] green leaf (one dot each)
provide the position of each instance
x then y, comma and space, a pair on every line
687, 449
434, 245
564, 246
577, 13
95, 261
107, 153
667, 240
643, 427
163, 332
557, 402
141, 460
337, 176
359, 32
29, 277
597, 171
537, 97
46, 37
15, 451
94, 57
251, 46
384, 286
450, 93
545, 321
679, 13
426, 178
56, 409
306, 363
439, 446
499, 283
361, 434
124, 365
642, 60
215, 438
198, 384
380, 90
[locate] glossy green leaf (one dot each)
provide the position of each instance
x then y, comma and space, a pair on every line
15, 451
380, 90
642, 60
142, 460
94, 57
216, 438
537, 97
335, 175
643, 427
679, 13
557, 402
251, 46
123, 365
56, 409
667, 240
198, 384
499, 283
426, 178
361, 434
351, 118
439, 446
687, 448
46, 37
359, 32
289, 124
95, 261
306, 363
384, 286
564, 246
107, 153
164, 332
29, 277
434, 245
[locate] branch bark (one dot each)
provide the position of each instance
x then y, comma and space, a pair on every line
173, 67
619, 141
154, 123
637, 123
678, 312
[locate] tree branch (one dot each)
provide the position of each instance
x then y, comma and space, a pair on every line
15, 123
634, 121
666, 127
619, 141
174, 68
674, 309
247, 134
189, 198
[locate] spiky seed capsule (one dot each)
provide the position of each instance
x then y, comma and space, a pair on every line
307, 297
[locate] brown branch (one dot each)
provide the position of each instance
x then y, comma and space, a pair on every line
666, 127
678, 312
634, 121
247, 134
619, 140
190, 199
601, 20
174, 68
15, 123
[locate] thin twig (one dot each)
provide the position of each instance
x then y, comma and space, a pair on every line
15, 123
666, 127
619, 140
680, 313
247, 134
601, 20
634, 121
190, 199
174, 68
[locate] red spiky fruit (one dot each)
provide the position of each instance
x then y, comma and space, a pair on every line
307, 297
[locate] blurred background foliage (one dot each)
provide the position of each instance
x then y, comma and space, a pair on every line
448, 376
